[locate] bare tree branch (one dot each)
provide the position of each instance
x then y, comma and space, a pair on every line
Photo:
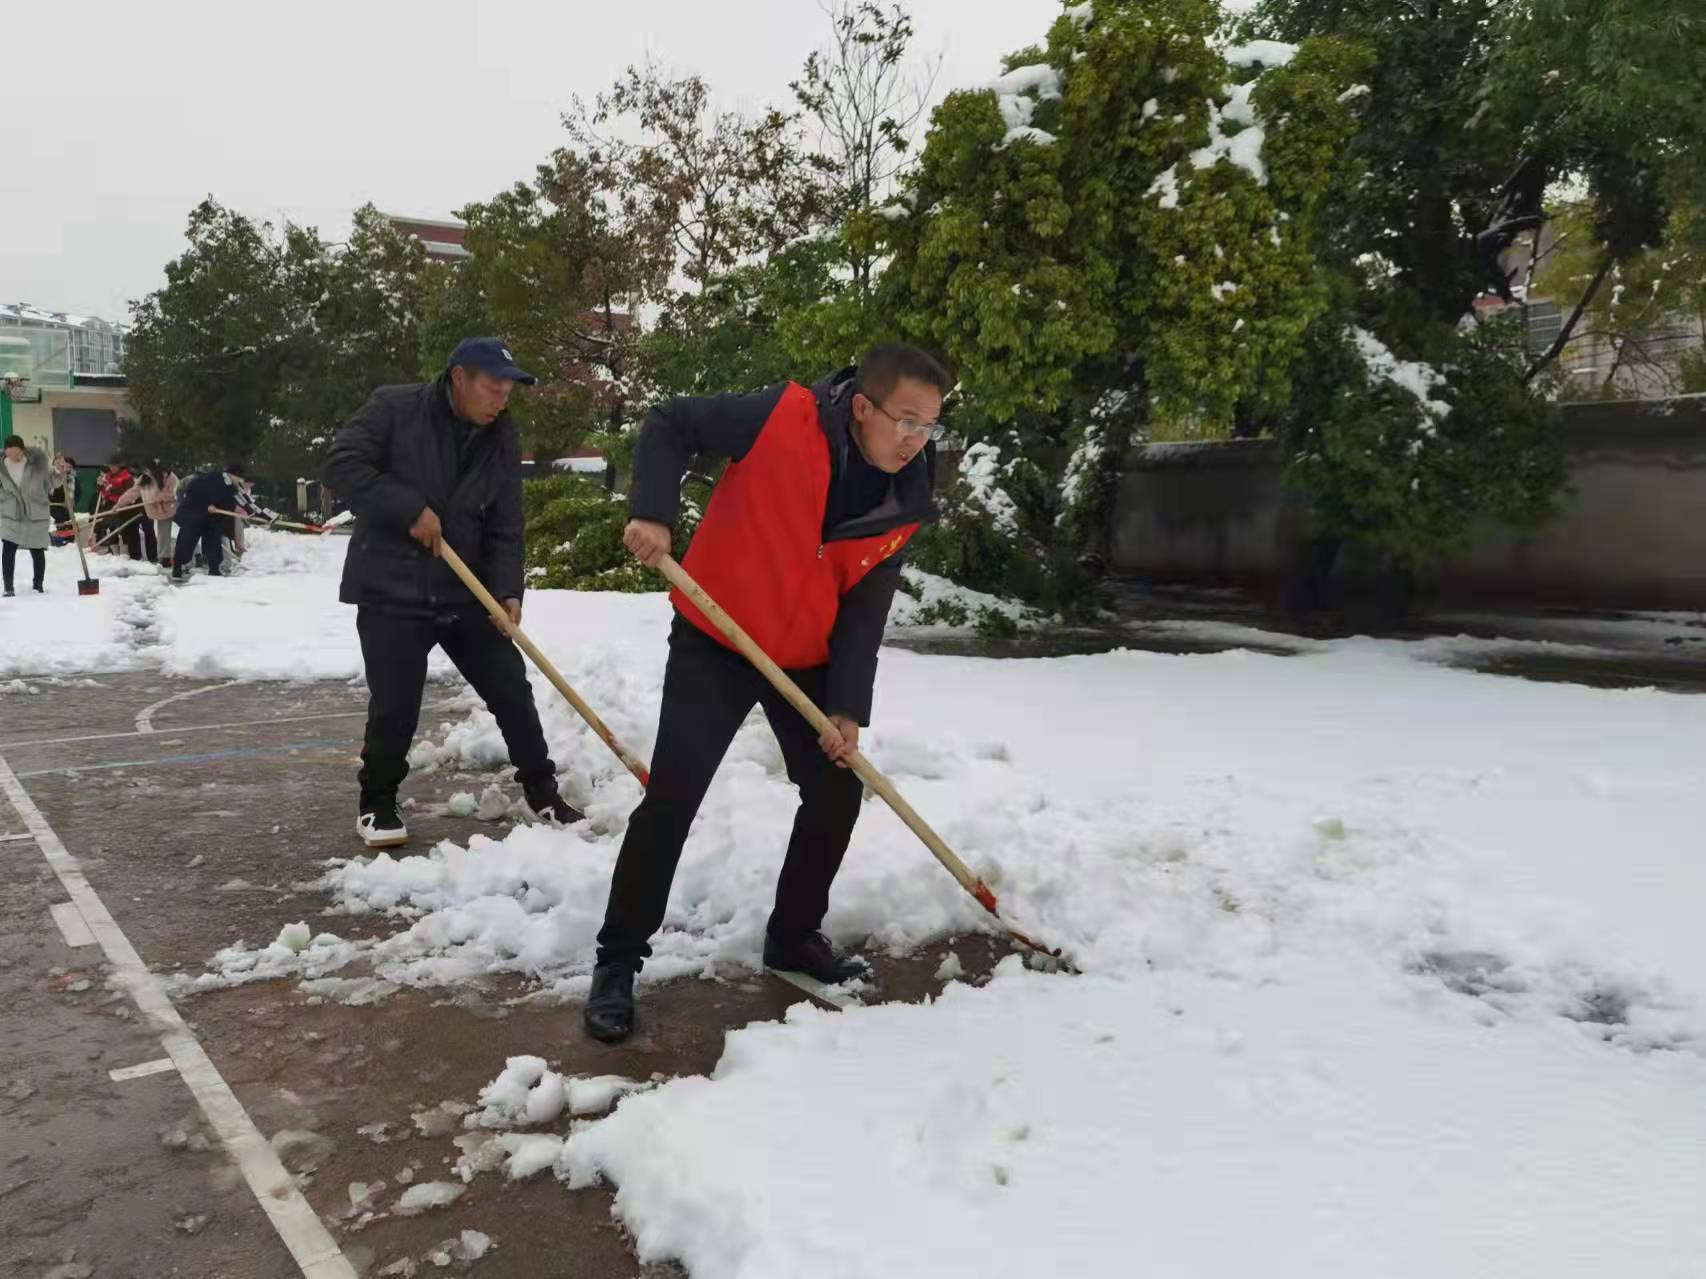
1563, 338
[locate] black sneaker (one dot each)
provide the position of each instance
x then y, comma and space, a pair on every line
380, 825
37, 588
812, 955
609, 1011
10, 593
553, 809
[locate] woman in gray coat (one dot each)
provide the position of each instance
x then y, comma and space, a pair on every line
24, 518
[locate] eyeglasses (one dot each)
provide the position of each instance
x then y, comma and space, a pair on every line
910, 425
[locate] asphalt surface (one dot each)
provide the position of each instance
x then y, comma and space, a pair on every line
205, 819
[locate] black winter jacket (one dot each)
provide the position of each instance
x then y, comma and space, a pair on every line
201, 493
402, 453
676, 432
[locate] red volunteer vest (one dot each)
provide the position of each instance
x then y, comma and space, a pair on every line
760, 553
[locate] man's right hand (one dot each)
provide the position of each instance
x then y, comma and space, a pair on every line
427, 530
648, 540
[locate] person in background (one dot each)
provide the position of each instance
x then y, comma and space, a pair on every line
197, 500
116, 482
424, 465
162, 508
136, 502
24, 517
62, 499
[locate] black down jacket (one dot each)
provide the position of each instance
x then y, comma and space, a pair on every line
404, 451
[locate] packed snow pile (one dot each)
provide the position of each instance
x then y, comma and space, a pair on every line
1327, 1122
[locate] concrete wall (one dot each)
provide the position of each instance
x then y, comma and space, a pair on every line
1630, 530
1217, 514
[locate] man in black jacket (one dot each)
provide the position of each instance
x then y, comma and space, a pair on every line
205, 493
420, 465
802, 544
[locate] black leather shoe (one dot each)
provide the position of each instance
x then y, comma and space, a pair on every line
609, 1012
812, 955
552, 809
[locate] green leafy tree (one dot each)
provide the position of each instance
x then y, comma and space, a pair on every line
206, 353
1115, 240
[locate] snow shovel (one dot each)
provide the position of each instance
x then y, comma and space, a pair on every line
551, 673
110, 536
867, 771
238, 515
88, 585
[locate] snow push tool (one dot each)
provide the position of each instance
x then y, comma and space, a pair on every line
539, 659
266, 523
88, 585
867, 772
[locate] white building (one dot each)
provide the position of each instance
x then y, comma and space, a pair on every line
64, 343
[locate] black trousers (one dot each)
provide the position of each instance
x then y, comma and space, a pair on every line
212, 549
395, 647
9, 562
708, 692
130, 534
150, 541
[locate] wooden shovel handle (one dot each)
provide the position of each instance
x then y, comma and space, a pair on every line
501, 616
867, 771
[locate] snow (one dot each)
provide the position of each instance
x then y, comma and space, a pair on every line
1242, 148
1353, 93
1330, 1130
1026, 133
428, 1195
1017, 109
1265, 53
980, 468
933, 591
243, 626
1420, 380
1389, 967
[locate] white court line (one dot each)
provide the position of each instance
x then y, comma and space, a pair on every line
15, 839
159, 1066
145, 717
816, 989
71, 924
207, 728
301, 1229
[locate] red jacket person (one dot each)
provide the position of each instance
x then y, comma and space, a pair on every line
802, 544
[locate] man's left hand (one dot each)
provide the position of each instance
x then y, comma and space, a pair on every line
513, 608
842, 744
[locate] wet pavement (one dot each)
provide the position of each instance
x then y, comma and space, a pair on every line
211, 828
1632, 649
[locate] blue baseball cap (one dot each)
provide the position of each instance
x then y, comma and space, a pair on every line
490, 355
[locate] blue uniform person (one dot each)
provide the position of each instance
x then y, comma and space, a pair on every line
208, 492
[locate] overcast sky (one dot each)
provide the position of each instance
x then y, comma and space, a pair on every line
117, 118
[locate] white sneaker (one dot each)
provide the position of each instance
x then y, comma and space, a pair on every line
382, 827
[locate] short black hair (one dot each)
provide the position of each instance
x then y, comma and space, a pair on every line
885, 367
15, 441
237, 469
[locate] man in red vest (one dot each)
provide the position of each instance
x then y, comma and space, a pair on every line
802, 544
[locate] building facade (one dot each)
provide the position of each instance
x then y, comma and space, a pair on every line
65, 344
444, 241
